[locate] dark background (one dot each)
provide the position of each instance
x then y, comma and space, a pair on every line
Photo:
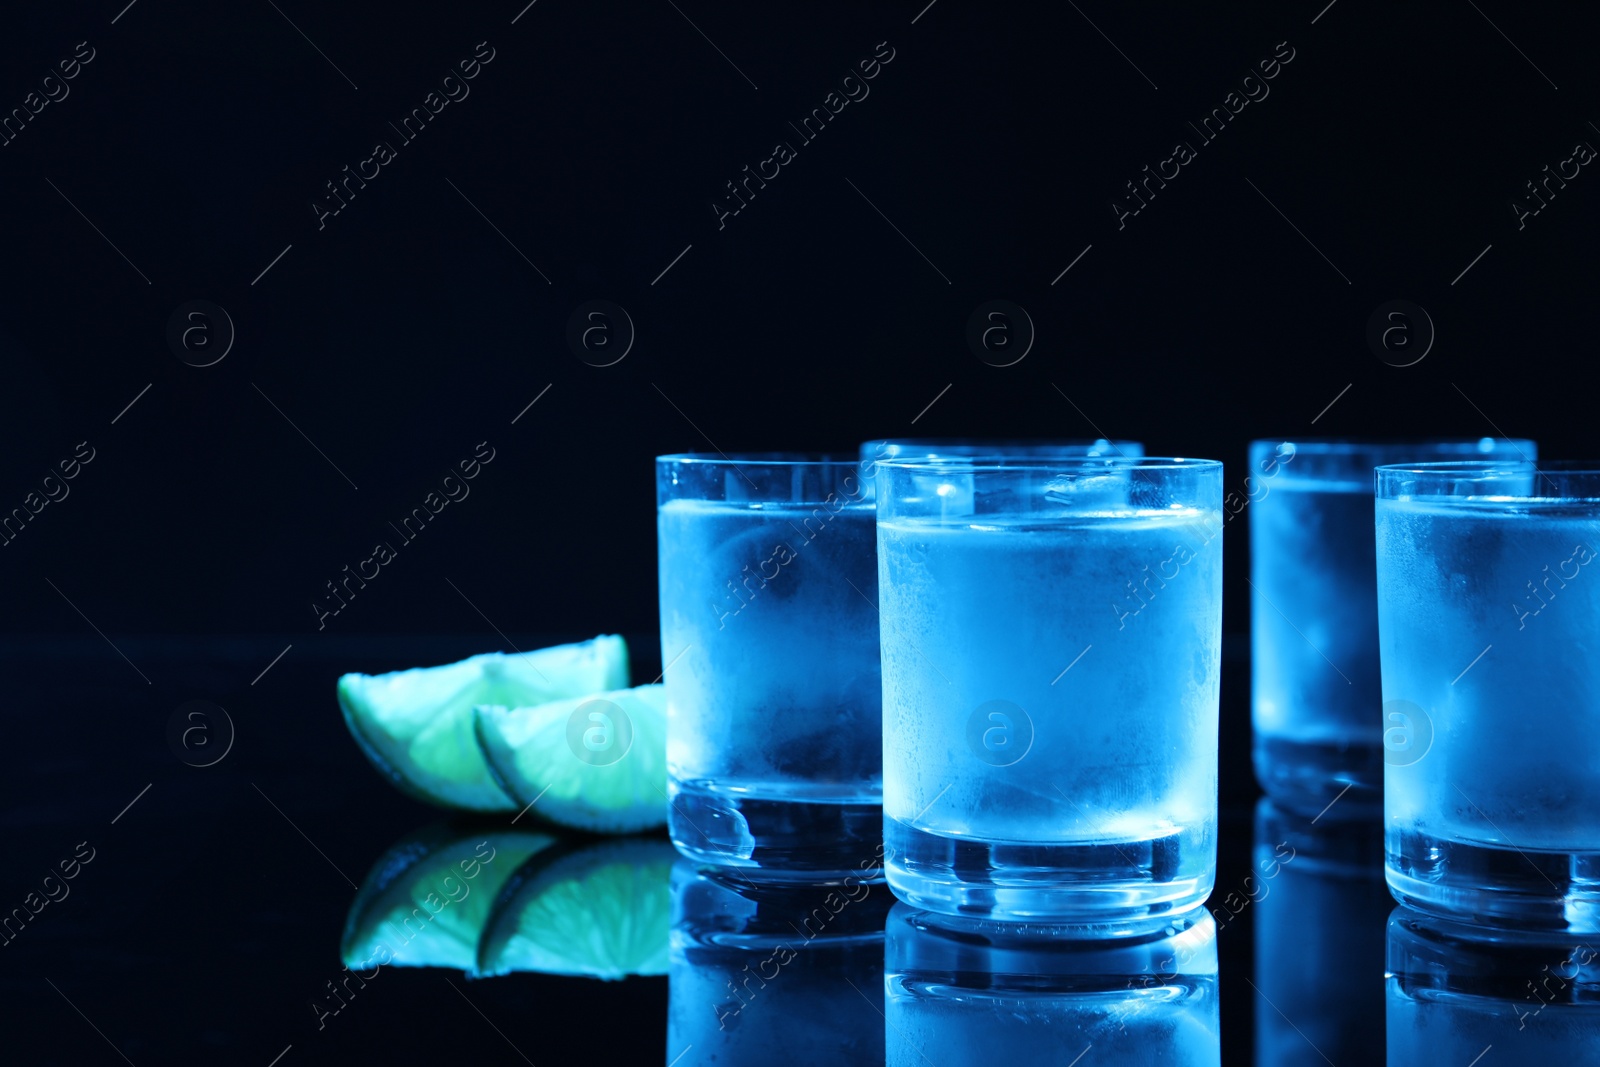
379, 350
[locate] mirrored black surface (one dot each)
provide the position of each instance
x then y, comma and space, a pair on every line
284, 899
974, 991
1465, 994
765, 974
1320, 909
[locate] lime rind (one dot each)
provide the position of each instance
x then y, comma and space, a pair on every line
428, 899
596, 911
536, 755
416, 726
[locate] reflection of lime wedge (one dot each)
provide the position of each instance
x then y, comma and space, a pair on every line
426, 901
599, 910
416, 725
597, 762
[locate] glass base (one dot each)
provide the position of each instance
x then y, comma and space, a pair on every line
1493, 884
1345, 781
1105, 889
787, 836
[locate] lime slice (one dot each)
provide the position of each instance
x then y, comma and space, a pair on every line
427, 899
597, 762
416, 725
600, 910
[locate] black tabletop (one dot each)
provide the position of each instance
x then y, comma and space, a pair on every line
224, 872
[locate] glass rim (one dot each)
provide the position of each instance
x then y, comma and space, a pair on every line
992, 463
760, 459
1003, 442
1493, 467
1340, 446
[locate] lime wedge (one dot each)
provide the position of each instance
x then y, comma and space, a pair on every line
599, 910
597, 762
426, 901
416, 725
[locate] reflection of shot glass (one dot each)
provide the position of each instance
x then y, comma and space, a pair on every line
1320, 913
763, 974
1456, 990
1051, 634
769, 630
961, 991
1489, 618
1314, 614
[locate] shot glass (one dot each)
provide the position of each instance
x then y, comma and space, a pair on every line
1455, 990
1051, 633
1489, 625
1315, 692
769, 633
961, 991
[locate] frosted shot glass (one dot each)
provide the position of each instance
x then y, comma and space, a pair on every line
1489, 627
1315, 693
1051, 632
769, 633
